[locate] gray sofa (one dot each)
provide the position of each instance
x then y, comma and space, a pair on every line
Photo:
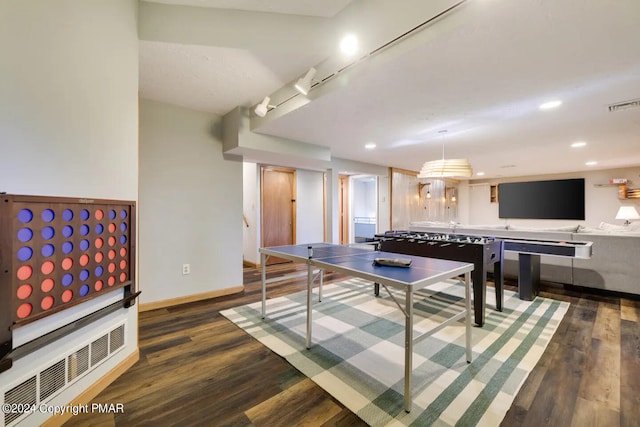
614, 264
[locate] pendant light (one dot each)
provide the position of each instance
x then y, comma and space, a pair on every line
446, 168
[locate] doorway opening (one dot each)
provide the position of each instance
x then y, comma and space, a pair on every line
364, 208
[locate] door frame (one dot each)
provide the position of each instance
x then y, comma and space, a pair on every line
344, 197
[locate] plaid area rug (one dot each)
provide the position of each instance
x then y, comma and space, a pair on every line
358, 351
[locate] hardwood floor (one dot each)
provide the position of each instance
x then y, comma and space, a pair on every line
197, 368
590, 373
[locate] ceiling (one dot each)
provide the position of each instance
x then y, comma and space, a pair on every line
479, 71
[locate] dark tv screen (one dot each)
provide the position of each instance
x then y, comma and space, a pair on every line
556, 199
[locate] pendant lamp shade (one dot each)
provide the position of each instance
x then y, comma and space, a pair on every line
446, 168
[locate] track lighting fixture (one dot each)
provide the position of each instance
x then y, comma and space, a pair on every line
304, 84
263, 108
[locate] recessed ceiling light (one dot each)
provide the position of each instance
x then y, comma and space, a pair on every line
480, 174
370, 146
592, 163
349, 45
551, 104
578, 144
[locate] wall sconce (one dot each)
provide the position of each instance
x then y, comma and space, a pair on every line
450, 194
421, 186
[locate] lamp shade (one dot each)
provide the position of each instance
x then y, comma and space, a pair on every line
446, 168
627, 213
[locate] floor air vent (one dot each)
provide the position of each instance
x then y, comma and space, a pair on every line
47, 382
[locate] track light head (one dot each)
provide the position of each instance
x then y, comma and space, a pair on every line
263, 108
304, 84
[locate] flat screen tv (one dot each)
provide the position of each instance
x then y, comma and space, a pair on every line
556, 199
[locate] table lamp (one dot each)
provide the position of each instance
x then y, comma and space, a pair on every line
627, 213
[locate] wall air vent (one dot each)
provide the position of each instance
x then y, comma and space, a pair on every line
634, 103
116, 339
49, 380
99, 349
78, 363
52, 379
22, 397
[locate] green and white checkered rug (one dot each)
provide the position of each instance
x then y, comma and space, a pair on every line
358, 351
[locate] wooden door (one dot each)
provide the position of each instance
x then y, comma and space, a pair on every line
278, 208
343, 208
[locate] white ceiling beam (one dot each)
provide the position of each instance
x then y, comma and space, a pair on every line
240, 141
253, 31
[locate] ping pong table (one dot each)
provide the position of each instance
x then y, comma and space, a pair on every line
359, 262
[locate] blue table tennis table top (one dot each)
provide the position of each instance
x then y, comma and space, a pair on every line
359, 260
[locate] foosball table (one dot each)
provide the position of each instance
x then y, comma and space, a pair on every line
480, 250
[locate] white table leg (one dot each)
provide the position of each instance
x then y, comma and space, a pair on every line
408, 350
467, 300
263, 261
309, 298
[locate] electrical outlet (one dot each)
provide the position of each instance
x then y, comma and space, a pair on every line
186, 269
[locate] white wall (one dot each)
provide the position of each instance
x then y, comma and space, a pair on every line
68, 98
69, 127
384, 203
602, 202
365, 197
309, 206
190, 204
251, 210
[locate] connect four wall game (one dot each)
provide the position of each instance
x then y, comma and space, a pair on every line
58, 252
